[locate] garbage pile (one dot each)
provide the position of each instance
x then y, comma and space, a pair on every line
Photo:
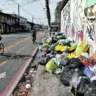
62, 56
24, 86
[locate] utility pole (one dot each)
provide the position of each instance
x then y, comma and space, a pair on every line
32, 22
19, 13
32, 19
48, 15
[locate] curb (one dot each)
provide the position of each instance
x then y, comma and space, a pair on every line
10, 88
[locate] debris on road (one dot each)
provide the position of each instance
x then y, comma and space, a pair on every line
3, 75
24, 86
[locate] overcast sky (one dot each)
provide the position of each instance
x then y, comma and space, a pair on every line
34, 9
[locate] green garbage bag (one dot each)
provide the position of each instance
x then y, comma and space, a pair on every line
45, 45
72, 44
67, 40
58, 71
59, 37
40, 47
59, 33
52, 47
51, 66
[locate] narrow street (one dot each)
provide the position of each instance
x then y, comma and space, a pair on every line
18, 48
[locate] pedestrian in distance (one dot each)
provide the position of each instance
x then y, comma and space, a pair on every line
34, 35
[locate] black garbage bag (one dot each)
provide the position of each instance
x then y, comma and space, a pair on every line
43, 61
76, 63
65, 62
67, 44
66, 76
58, 52
91, 89
81, 87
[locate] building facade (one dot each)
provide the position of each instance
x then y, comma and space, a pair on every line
23, 22
12, 23
78, 20
8, 23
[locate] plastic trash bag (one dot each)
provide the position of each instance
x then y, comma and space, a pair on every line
72, 44
65, 62
60, 37
45, 45
82, 84
59, 48
44, 53
88, 72
75, 78
40, 47
70, 49
51, 66
71, 55
43, 61
91, 89
58, 60
58, 33
66, 76
76, 63
80, 47
58, 71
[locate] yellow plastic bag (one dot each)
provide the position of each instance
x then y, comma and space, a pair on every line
80, 47
71, 48
51, 66
59, 48
72, 55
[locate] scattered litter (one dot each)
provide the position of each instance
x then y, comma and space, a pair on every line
3, 75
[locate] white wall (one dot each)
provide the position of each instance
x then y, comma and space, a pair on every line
73, 15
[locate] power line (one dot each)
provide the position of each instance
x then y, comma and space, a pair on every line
43, 7
28, 2
21, 7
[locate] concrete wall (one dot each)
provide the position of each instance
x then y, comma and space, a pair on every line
79, 16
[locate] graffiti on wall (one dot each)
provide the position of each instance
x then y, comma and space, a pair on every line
90, 13
77, 18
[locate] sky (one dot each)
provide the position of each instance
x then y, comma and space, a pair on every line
29, 9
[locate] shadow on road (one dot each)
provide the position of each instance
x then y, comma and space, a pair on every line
13, 56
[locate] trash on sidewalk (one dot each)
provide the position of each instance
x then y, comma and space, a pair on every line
67, 57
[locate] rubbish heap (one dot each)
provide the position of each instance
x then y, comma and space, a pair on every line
24, 86
62, 56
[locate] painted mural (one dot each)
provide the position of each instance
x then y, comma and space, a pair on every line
90, 34
90, 13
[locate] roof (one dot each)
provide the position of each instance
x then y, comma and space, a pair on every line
64, 2
30, 22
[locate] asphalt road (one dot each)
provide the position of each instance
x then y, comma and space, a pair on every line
17, 50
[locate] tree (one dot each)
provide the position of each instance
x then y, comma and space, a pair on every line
58, 12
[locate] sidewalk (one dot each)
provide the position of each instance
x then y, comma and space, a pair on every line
46, 84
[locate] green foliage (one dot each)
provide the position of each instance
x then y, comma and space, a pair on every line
57, 10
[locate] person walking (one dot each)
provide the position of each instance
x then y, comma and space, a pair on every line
34, 35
